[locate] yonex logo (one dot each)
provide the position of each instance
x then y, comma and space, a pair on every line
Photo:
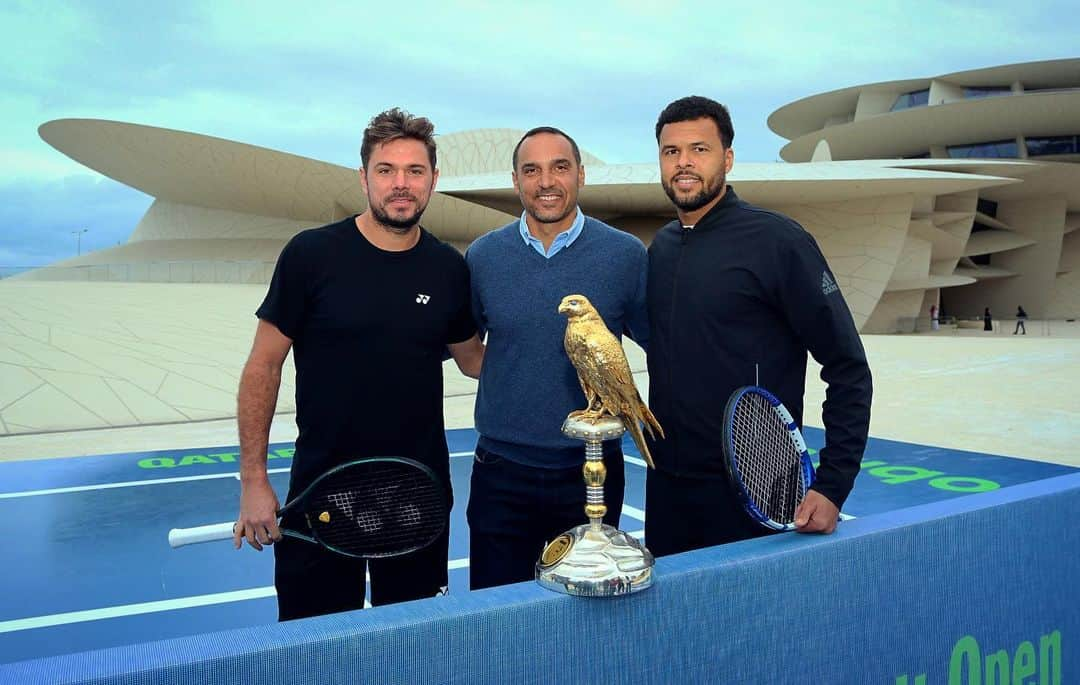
421, 298
828, 285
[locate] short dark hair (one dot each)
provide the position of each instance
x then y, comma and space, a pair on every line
697, 107
546, 129
394, 124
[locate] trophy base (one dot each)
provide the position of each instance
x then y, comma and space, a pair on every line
595, 561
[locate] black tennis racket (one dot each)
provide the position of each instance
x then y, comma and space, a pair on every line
766, 457
369, 508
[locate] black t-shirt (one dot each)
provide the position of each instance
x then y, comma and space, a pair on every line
369, 330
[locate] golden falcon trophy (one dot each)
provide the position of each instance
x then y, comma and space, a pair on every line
595, 559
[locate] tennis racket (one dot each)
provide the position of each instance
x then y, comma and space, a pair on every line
369, 508
766, 457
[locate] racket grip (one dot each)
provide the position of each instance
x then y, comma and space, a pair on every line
178, 537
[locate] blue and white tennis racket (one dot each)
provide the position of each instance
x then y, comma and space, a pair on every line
766, 457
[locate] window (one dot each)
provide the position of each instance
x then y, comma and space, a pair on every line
990, 150
1052, 145
987, 207
1050, 89
986, 91
918, 98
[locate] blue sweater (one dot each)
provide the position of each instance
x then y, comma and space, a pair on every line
528, 385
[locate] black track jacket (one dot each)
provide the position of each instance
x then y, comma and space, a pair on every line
745, 287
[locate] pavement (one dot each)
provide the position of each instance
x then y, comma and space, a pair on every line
117, 422
100, 368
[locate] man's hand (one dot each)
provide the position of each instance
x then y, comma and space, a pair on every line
258, 515
816, 514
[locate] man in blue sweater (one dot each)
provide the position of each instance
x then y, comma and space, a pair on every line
527, 485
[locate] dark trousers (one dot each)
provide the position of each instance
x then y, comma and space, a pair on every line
1020, 327
515, 510
682, 514
312, 581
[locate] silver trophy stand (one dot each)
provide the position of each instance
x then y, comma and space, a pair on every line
594, 559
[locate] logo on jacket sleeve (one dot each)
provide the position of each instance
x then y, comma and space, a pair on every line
828, 285
421, 298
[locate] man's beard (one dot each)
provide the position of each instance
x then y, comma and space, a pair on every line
707, 194
398, 226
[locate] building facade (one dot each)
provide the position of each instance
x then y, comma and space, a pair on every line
1000, 246
960, 191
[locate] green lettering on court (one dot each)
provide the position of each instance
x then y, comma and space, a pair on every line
963, 484
196, 459
1023, 663
968, 666
192, 459
157, 463
894, 475
966, 650
1046, 666
997, 668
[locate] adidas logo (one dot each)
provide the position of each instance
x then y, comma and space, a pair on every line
421, 298
828, 285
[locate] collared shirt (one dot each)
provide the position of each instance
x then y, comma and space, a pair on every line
564, 239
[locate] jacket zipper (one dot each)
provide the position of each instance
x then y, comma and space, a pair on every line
683, 237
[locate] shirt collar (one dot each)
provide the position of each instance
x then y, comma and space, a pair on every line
563, 240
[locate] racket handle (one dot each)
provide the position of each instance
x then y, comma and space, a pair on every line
178, 537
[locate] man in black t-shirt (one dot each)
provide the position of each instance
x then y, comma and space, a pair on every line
368, 305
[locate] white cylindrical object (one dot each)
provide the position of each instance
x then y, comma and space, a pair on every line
178, 537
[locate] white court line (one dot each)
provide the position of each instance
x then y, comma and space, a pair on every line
151, 481
633, 512
199, 600
70, 617
109, 486
152, 607
134, 609
184, 479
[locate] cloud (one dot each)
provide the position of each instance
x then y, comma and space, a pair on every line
305, 78
37, 219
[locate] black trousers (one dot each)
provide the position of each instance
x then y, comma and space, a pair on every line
312, 581
682, 514
514, 510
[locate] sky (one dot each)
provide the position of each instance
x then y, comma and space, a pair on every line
305, 77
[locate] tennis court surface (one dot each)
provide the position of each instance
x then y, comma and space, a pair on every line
88, 564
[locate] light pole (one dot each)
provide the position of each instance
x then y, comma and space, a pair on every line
78, 240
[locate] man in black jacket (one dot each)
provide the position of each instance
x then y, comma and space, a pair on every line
737, 296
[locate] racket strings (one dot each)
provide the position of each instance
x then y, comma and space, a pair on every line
378, 509
766, 459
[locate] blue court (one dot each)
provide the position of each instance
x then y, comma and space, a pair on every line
89, 566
